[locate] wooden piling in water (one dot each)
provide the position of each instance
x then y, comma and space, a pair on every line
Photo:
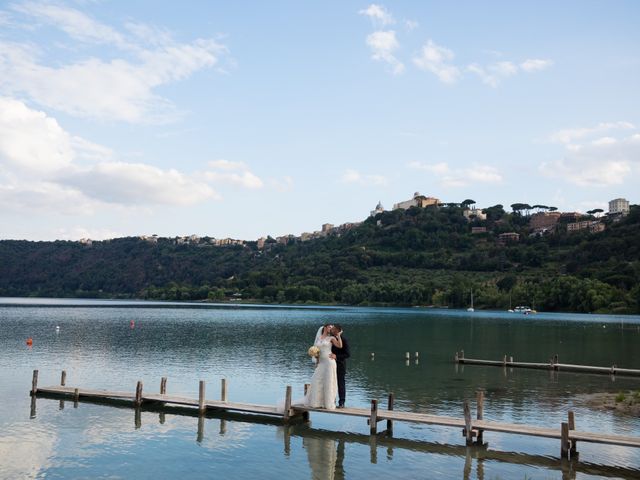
287, 405
138, 400
63, 378
479, 413
571, 422
373, 418
223, 390
34, 382
467, 423
163, 386
201, 401
390, 408
564, 440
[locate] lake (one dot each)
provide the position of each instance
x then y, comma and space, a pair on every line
262, 349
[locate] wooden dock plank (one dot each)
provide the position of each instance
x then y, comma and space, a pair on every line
621, 440
84, 392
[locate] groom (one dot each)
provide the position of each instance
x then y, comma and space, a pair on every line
340, 355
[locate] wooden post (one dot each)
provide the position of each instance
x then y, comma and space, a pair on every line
571, 421
287, 404
34, 383
200, 435
76, 397
138, 400
163, 386
456, 358
479, 413
223, 390
467, 423
555, 362
407, 356
504, 360
63, 378
417, 355
564, 440
390, 408
201, 404
373, 419
137, 418
462, 354
32, 411
510, 359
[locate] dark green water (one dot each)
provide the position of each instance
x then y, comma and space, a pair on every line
260, 350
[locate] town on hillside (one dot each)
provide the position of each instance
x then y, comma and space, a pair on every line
543, 221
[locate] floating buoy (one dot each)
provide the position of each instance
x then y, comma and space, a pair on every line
29, 341
132, 324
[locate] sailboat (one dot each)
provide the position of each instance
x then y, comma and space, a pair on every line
471, 309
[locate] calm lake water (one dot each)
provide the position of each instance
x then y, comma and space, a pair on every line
260, 350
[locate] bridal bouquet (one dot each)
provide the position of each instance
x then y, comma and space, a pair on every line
314, 352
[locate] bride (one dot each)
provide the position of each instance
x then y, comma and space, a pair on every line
324, 382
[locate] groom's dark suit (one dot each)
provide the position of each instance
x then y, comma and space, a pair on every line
341, 366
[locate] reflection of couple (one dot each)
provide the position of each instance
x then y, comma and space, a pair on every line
328, 380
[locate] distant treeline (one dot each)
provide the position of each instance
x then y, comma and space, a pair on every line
420, 256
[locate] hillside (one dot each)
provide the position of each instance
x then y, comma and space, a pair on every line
419, 256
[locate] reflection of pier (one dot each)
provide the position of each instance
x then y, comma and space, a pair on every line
552, 364
292, 414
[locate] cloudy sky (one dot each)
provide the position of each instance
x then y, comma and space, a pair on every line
245, 119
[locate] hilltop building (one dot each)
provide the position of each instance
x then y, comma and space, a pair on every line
619, 206
594, 226
379, 209
417, 201
474, 213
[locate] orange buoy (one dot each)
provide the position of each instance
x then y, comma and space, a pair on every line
29, 341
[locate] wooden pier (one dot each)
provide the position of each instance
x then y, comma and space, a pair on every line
552, 364
472, 428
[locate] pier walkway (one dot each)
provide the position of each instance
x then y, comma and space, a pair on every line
472, 429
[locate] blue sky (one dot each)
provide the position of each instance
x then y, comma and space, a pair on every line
247, 119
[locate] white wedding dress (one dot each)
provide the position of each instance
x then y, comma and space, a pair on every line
323, 390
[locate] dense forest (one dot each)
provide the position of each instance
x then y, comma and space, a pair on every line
420, 256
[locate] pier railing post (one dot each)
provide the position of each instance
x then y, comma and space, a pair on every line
202, 407
34, 383
63, 378
467, 423
287, 404
373, 419
390, 408
480, 413
163, 386
138, 400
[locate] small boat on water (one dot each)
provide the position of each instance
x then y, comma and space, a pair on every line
471, 309
523, 309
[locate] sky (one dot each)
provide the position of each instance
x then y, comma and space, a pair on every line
248, 119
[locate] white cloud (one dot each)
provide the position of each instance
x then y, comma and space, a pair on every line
459, 177
32, 141
137, 184
39, 170
121, 87
568, 135
378, 14
590, 159
535, 64
382, 45
437, 60
234, 173
493, 74
354, 177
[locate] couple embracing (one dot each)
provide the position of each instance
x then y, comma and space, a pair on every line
328, 380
